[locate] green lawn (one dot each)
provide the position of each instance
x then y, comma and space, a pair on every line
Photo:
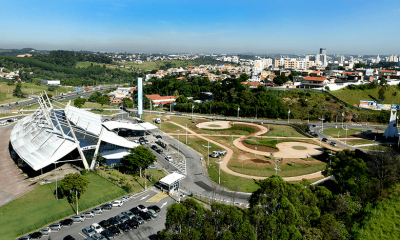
359, 142
282, 131
104, 112
271, 142
353, 97
384, 222
333, 132
39, 207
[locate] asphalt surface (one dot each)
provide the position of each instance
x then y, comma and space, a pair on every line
143, 232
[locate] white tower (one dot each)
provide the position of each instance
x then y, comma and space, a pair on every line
392, 130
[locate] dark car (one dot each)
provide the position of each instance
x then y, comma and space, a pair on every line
107, 206
324, 139
159, 151
124, 227
113, 221
105, 224
107, 233
135, 211
36, 235
132, 223
146, 216
139, 219
68, 237
114, 230
67, 222
155, 208
158, 136
154, 147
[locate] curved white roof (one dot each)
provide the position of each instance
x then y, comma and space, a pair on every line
110, 125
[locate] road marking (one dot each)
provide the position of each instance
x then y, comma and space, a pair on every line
163, 205
82, 235
145, 197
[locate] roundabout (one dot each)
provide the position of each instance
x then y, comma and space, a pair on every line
214, 125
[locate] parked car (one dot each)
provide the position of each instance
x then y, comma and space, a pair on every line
45, 231
116, 203
78, 218
146, 216
155, 208
168, 158
108, 234
325, 140
158, 136
67, 222
159, 151
222, 152
128, 197
333, 144
124, 227
139, 219
88, 231
36, 235
122, 218
98, 236
215, 154
98, 210
25, 238
56, 226
152, 166
68, 237
135, 210
132, 223
113, 221
96, 227
115, 230
107, 206
154, 147
153, 213
105, 224
89, 214
128, 214
146, 141
142, 208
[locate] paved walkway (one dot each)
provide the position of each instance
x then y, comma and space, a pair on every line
227, 157
13, 183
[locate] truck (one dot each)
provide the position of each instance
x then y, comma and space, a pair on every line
217, 154
157, 120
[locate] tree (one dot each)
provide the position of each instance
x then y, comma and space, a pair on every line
280, 80
73, 185
10, 82
138, 158
17, 91
381, 93
359, 65
341, 68
94, 97
127, 103
102, 100
79, 102
244, 76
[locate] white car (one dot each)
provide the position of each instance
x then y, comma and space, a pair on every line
142, 208
117, 203
45, 231
168, 158
96, 227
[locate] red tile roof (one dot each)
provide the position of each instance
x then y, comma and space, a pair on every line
319, 79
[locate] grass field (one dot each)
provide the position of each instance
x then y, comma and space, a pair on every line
282, 131
104, 112
353, 97
333, 132
39, 207
384, 222
6, 91
358, 142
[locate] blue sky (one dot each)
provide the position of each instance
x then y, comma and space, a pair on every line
281, 26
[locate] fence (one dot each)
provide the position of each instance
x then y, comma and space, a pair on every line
217, 198
60, 215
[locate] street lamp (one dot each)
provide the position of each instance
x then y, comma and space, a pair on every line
208, 155
345, 141
255, 152
342, 118
219, 170
288, 116
159, 115
178, 143
186, 134
276, 167
192, 111
238, 112
322, 120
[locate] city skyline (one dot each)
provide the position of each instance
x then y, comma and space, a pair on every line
285, 27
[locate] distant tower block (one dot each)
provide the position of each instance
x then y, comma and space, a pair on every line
322, 51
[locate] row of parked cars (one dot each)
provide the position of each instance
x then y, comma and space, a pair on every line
55, 227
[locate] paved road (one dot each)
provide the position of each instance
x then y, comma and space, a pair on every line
143, 232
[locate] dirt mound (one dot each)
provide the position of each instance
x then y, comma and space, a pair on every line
261, 161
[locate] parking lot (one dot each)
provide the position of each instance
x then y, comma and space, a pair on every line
150, 197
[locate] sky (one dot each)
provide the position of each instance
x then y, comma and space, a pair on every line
175, 26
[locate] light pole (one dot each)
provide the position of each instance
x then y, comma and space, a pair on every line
345, 141
256, 113
276, 167
322, 120
219, 170
159, 115
238, 112
342, 118
186, 134
288, 116
192, 111
336, 119
178, 143
255, 152
208, 155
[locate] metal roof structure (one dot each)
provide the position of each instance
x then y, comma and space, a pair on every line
110, 125
50, 134
172, 178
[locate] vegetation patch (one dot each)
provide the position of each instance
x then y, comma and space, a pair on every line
299, 147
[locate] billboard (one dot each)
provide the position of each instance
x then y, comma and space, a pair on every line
140, 97
395, 107
368, 104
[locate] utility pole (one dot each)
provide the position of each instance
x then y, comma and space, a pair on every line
219, 170
186, 134
208, 155
76, 196
178, 144
288, 116
238, 112
159, 115
322, 120
345, 141
192, 111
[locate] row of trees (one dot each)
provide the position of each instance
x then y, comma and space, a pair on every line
282, 210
